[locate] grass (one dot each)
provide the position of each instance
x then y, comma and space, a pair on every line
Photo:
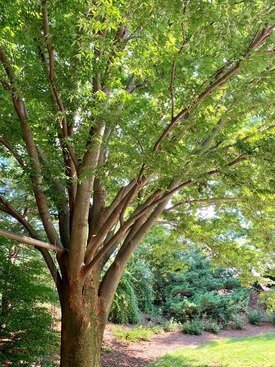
256, 351
135, 333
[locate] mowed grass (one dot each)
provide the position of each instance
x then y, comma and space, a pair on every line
258, 351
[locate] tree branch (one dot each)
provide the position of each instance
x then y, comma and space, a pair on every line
113, 218
114, 273
9, 209
205, 201
12, 150
37, 180
56, 94
62, 204
31, 241
70, 158
97, 214
258, 40
79, 234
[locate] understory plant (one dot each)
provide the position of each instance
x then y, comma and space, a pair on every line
26, 335
204, 293
255, 316
136, 333
134, 294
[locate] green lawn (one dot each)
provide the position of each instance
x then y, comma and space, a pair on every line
258, 351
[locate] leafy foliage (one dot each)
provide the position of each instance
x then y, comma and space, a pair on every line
203, 292
237, 322
134, 294
255, 317
194, 327
117, 114
25, 322
125, 304
136, 333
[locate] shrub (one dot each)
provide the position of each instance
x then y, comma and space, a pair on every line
204, 293
24, 317
133, 295
157, 329
193, 327
211, 326
172, 325
254, 317
143, 281
272, 317
135, 333
125, 305
237, 322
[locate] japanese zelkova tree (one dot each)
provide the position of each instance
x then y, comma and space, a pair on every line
119, 114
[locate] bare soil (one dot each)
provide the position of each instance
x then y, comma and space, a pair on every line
139, 354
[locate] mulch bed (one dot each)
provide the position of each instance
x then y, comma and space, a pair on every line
139, 354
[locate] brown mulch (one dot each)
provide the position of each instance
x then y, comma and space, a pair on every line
139, 354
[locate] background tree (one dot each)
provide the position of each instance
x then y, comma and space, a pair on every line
115, 110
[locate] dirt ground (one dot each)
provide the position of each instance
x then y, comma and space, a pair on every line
139, 354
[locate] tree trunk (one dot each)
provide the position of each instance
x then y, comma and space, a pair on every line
82, 326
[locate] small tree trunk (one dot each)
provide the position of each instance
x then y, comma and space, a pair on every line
82, 326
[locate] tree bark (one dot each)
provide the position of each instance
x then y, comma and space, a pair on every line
82, 325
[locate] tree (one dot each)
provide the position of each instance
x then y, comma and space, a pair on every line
113, 111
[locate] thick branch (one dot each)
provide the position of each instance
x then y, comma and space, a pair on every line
114, 273
97, 214
9, 209
79, 234
31, 241
37, 180
113, 218
166, 196
62, 204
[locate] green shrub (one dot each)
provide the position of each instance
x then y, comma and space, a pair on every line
157, 329
272, 317
25, 320
237, 322
134, 334
172, 325
204, 293
133, 295
143, 281
254, 316
125, 305
193, 327
211, 326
